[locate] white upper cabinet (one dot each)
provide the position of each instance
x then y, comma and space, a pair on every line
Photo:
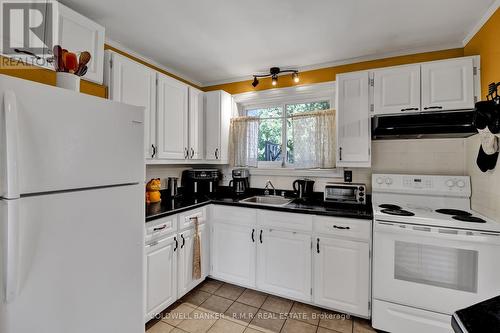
172, 125
284, 263
196, 124
396, 90
353, 120
78, 33
218, 109
448, 85
132, 83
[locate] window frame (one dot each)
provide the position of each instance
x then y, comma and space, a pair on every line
289, 95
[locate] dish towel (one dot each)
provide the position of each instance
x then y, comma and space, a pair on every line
196, 250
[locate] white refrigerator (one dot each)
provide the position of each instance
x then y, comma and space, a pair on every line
71, 212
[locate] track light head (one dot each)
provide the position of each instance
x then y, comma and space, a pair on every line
275, 80
295, 77
255, 82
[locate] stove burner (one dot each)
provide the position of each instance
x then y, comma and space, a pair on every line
468, 218
388, 206
453, 212
399, 212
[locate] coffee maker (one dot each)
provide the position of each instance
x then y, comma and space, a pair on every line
240, 182
200, 182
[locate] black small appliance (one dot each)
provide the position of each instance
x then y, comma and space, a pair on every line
200, 182
240, 182
304, 188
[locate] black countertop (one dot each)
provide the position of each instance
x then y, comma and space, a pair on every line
483, 317
314, 206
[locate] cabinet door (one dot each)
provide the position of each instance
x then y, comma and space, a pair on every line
172, 126
78, 33
161, 276
133, 83
212, 124
233, 253
185, 281
342, 275
448, 85
353, 120
397, 90
225, 120
284, 264
196, 124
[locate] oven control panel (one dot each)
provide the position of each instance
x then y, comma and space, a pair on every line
422, 184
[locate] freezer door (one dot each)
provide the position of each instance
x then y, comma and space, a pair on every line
79, 262
52, 139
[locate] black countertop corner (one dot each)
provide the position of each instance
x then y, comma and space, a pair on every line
483, 317
314, 206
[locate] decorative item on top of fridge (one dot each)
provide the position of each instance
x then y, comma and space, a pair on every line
487, 122
70, 67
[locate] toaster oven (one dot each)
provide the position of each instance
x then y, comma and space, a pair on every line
345, 193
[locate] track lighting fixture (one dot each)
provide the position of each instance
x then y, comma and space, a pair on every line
273, 73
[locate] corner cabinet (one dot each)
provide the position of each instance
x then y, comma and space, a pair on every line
172, 122
353, 120
132, 83
218, 110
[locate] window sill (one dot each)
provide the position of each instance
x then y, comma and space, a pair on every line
322, 173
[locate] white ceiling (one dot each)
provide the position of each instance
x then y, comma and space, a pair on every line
212, 41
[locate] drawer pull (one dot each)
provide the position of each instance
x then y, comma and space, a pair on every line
160, 228
341, 228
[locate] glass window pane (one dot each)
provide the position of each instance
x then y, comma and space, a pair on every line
292, 109
270, 134
272, 112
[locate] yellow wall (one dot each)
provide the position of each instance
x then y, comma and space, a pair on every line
47, 76
487, 44
328, 74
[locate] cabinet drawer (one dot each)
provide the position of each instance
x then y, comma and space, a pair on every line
288, 221
160, 227
354, 228
234, 215
185, 218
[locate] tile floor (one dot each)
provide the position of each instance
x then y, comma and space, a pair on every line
218, 307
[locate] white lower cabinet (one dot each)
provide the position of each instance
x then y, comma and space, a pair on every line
342, 274
161, 275
233, 253
185, 281
284, 263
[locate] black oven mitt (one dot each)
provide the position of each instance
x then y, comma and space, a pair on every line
486, 162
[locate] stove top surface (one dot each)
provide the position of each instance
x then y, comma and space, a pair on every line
453, 217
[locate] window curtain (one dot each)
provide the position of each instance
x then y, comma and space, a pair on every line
313, 139
244, 142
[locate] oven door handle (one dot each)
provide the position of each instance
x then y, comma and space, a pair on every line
436, 232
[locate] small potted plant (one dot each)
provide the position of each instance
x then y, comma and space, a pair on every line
70, 67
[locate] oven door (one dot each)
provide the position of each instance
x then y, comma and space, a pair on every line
432, 268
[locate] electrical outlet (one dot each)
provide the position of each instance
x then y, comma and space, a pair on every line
347, 176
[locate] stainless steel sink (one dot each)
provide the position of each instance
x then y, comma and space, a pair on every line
268, 200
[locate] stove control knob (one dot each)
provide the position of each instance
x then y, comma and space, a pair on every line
380, 180
388, 181
460, 183
450, 183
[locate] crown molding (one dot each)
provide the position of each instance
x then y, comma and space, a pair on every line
150, 61
378, 56
489, 13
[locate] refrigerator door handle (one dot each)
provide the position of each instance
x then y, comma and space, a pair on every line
11, 250
11, 145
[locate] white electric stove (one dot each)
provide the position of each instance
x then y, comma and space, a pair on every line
432, 255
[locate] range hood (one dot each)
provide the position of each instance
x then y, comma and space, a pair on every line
446, 124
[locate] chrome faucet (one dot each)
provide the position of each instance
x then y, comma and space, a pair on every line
268, 183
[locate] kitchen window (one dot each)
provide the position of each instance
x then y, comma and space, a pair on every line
293, 133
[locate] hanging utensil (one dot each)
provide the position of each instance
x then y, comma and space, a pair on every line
58, 58
83, 71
